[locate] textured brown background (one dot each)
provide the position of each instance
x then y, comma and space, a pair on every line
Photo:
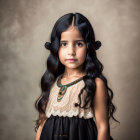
25, 25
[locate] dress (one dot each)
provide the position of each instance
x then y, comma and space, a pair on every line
64, 120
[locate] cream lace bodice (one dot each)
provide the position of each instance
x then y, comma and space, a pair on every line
66, 106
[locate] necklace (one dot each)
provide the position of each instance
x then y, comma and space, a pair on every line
63, 88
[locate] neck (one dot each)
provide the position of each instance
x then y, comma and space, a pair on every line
70, 73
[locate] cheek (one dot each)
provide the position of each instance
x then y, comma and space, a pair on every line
61, 54
82, 54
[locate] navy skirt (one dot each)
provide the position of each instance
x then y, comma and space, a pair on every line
69, 128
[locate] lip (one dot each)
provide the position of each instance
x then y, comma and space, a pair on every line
71, 60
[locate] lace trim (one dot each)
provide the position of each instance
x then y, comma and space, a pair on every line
71, 113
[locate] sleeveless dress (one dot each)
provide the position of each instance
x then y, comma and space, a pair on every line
64, 120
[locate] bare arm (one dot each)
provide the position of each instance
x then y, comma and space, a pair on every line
39, 130
100, 110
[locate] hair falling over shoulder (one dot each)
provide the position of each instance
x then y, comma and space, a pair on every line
92, 66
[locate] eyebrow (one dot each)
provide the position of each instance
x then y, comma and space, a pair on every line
67, 41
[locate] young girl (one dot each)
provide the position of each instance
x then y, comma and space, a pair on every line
76, 102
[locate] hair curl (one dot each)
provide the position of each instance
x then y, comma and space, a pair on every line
92, 66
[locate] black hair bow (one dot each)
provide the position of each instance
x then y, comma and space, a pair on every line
48, 45
98, 44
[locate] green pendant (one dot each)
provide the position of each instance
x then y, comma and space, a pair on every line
63, 88
61, 92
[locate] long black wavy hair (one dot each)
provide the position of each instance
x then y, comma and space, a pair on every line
92, 66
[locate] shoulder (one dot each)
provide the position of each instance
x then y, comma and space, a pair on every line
100, 87
99, 82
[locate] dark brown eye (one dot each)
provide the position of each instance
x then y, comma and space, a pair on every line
63, 44
79, 44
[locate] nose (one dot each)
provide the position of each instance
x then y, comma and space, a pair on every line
71, 49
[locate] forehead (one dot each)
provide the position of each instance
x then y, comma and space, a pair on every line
71, 33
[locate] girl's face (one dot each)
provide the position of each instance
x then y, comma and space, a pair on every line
72, 49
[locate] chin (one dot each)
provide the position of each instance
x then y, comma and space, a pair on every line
72, 66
